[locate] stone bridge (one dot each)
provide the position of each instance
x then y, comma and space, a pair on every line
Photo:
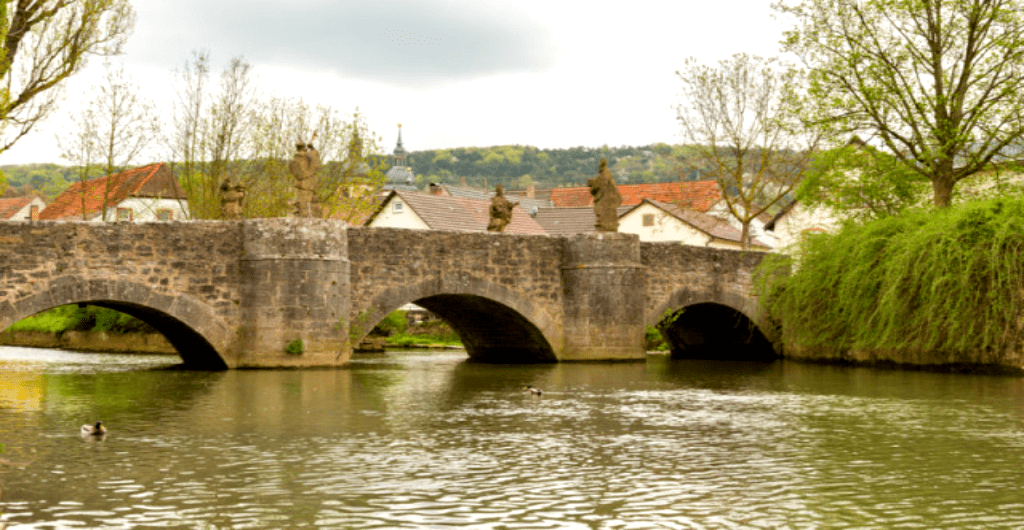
290, 292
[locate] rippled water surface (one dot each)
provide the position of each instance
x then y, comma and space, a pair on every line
426, 440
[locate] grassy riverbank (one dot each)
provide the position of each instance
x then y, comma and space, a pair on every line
948, 281
88, 318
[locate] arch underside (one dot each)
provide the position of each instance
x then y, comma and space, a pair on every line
713, 325
180, 320
494, 324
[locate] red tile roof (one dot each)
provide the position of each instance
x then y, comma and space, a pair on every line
698, 195
154, 180
460, 214
9, 207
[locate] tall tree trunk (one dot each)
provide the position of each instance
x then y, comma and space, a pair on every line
943, 191
745, 235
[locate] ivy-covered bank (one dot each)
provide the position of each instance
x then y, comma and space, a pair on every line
923, 288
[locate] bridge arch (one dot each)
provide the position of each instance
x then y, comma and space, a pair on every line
495, 324
714, 324
189, 324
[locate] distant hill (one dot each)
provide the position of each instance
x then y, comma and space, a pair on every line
514, 166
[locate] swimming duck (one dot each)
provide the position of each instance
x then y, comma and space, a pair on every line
533, 390
94, 430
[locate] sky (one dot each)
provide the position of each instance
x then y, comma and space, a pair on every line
454, 73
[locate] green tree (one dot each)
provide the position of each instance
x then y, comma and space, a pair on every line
43, 43
860, 181
741, 118
111, 134
937, 82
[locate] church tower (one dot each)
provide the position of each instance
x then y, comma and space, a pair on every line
400, 154
400, 176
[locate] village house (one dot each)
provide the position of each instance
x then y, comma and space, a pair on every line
21, 208
654, 220
423, 211
147, 193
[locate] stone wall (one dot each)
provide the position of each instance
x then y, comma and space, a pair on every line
182, 278
679, 276
496, 289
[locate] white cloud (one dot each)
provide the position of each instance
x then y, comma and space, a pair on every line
552, 73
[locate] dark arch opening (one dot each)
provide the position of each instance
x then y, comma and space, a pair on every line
714, 331
196, 352
491, 332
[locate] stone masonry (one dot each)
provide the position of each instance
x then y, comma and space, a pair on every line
298, 292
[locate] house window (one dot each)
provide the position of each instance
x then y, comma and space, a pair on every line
124, 214
397, 207
164, 215
648, 219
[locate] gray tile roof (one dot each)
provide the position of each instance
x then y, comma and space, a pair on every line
529, 205
458, 214
569, 221
400, 178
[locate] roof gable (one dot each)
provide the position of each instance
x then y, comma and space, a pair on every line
11, 206
85, 200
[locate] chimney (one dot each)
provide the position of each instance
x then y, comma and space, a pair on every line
531, 192
435, 188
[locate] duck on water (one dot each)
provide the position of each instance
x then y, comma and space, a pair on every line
96, 429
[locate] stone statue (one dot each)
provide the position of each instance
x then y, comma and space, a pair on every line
305, 164
232, 197
606, 199
501, 211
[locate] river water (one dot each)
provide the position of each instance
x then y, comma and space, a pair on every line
426, 440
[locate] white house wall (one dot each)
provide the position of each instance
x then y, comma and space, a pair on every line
800, 220
666, 227
145, 209
388, 218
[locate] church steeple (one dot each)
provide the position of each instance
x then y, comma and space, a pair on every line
400, 153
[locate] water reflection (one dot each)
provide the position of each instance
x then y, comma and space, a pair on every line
427, 440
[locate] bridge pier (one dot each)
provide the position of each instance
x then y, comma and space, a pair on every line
604, 287
295, 294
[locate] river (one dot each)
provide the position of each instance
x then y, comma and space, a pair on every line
423, 440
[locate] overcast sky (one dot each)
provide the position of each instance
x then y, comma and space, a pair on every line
455, 73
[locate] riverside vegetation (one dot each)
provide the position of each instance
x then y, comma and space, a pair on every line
946, 282
395, 328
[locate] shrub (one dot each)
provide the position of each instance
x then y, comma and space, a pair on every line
948, 280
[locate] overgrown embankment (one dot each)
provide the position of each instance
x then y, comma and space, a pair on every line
86, 328
923, 288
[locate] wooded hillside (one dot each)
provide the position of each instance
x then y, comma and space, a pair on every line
514, 166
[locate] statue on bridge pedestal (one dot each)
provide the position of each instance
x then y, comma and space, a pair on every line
232, 198
501, 211
606, 199
304, 166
